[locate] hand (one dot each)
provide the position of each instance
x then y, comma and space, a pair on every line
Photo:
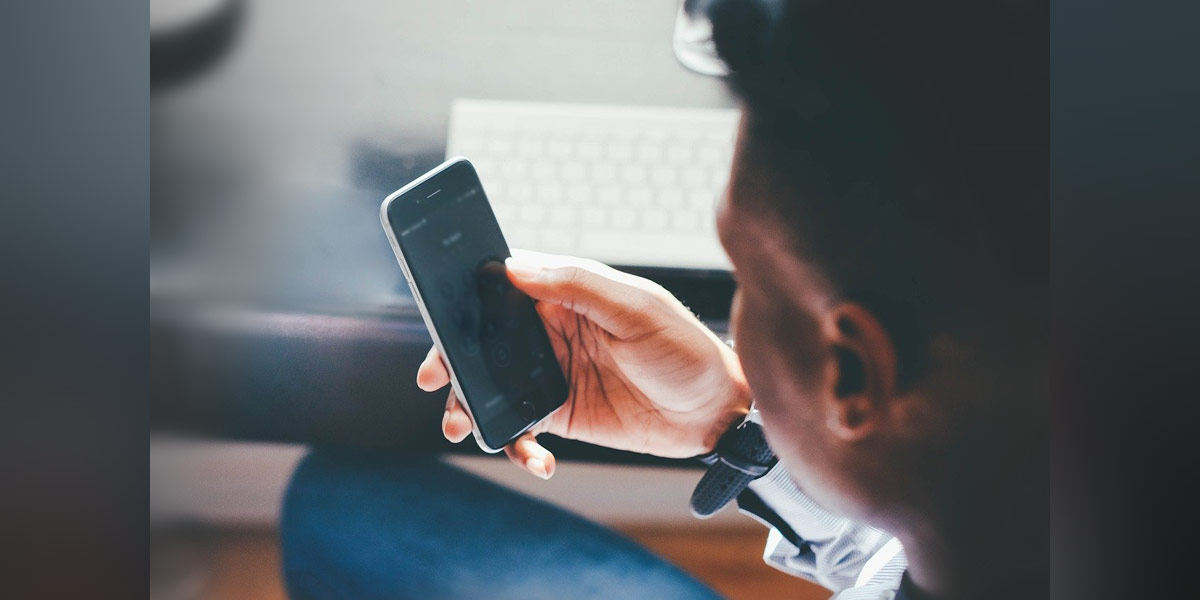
644, 373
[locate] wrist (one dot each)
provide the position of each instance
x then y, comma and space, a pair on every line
733, 412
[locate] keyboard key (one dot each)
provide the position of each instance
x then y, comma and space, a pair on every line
514, 169
689, 136
624, 218
542, 169
649, 152
693, 176
562, 215
663, 175
558, 149
670, 197
680, 155
521, 236
532, 214
591, 150
531, 149
701, 199
654, 219
495, 191
708, 155
603, 172
686, 220
594, 218
574, 171
633, 174
609, 195
505, 211
519, 192
720, 139
557, 241
620, 151
549, 193
579, 194
640, 197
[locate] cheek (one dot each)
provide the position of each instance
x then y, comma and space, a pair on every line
735, 315
757, 347
780, 357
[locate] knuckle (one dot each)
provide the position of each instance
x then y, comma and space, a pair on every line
641, 311
645, 301
574, 278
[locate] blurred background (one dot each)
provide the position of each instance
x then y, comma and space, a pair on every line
279, 317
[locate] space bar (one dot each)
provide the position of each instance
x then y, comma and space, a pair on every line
653, 249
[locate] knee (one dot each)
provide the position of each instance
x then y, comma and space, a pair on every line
306, 535
312, 495
333, 505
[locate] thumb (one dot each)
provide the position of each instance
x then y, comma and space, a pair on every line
614, 301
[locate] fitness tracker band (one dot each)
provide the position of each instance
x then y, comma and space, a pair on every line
740, 456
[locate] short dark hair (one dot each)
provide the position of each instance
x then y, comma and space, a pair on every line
917, 136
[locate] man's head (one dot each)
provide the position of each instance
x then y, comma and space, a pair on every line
886, 218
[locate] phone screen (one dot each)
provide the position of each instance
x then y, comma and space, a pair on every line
492, 336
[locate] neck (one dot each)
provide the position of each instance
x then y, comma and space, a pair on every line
972, 515
997, 554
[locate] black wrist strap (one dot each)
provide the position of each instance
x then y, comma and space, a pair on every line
741, 456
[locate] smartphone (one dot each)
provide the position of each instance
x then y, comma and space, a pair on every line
491, 338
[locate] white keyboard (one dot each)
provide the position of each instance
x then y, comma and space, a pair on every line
622, 185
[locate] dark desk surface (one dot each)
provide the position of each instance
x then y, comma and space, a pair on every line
277, 309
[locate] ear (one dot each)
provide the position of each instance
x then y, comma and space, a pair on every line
864, 378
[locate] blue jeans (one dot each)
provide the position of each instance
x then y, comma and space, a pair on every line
389, 528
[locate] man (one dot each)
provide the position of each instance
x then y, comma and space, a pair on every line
886, 219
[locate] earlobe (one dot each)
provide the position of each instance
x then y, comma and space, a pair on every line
852, 416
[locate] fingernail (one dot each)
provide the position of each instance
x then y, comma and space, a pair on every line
537, 467
445, 417
521, 267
